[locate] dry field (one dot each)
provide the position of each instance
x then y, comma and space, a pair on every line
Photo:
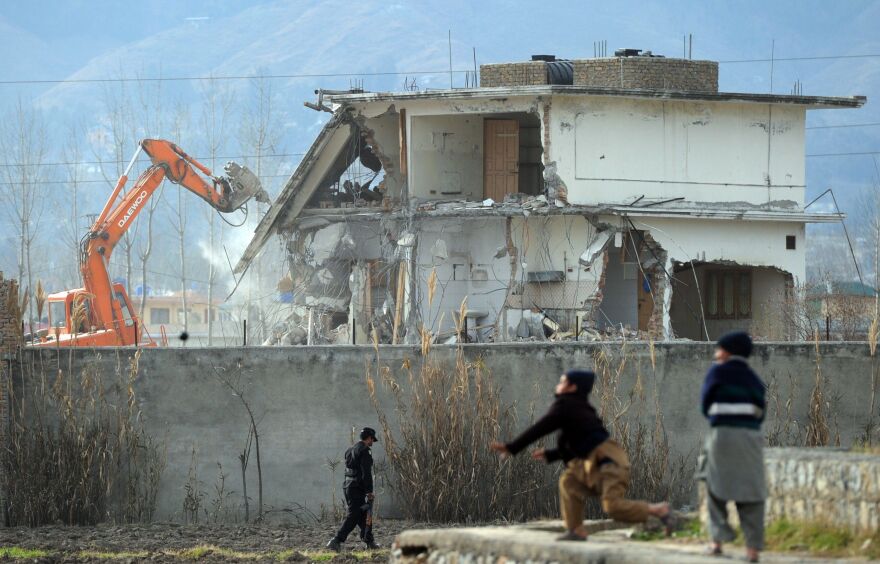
171, 542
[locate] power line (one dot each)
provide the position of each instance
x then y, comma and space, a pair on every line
35, 182
843, 125
119, 162
243, 77
820, 58
359, 74
844, 154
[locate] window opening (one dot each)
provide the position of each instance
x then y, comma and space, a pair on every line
728, 294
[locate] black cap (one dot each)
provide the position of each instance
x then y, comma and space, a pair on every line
583, 379
369, 432
737, 343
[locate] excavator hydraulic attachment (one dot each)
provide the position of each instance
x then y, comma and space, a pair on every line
243, 185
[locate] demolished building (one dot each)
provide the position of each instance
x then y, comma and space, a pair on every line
561, 198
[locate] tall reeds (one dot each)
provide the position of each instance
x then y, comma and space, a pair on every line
444, 417
77, 451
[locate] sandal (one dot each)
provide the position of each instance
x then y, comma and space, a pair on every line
571, 536
712, 550
671, 522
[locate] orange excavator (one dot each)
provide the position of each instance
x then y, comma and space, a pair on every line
100, 314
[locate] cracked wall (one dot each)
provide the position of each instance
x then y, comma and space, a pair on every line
616, 150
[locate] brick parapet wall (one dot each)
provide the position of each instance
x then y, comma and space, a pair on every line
651, 73
528, 73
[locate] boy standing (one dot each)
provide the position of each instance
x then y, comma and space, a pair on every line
595, 465
733, 401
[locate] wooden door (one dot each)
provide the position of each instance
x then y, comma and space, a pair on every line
500, 158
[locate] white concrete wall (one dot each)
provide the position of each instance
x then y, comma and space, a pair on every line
613, 150
756, 243
447, 157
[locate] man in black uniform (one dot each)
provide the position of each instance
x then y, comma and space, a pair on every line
358, 489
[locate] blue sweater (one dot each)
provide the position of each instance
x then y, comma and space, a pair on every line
733, 395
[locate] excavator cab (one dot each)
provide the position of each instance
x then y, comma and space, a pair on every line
72, 321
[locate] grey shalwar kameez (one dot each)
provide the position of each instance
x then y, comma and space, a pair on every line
733, 454
734, 471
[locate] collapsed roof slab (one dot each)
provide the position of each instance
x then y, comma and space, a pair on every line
328, 157
722, 212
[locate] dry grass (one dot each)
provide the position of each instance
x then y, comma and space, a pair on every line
636, 422
445, 417
821, 539
441, 466
77, 451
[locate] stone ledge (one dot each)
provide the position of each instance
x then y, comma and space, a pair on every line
535, 543
828, 484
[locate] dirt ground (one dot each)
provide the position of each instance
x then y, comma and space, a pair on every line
170, 542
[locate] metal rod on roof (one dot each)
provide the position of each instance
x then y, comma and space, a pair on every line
690, 46
772, 52
476, 76
450, 59
816, 198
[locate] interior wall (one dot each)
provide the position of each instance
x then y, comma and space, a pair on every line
619, 305
448, 152
554, 244
447, 157
462, 253
477, 266
385, 139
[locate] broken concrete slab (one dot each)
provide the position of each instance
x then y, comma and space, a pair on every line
609, 543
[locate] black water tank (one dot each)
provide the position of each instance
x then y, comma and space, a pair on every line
545, 58
560, 72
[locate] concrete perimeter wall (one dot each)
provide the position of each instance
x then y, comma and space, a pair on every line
308, 400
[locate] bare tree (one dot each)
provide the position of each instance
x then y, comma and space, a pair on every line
179, 220
216, 104
73, 231
234, 384
146, 249
23, 146
260, 136
152, 118
119, 144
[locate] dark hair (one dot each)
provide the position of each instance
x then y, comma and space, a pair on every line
583, 379
737, 343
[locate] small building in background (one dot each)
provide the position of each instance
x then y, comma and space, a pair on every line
164, 316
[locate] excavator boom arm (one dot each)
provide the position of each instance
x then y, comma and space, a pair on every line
226, 194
